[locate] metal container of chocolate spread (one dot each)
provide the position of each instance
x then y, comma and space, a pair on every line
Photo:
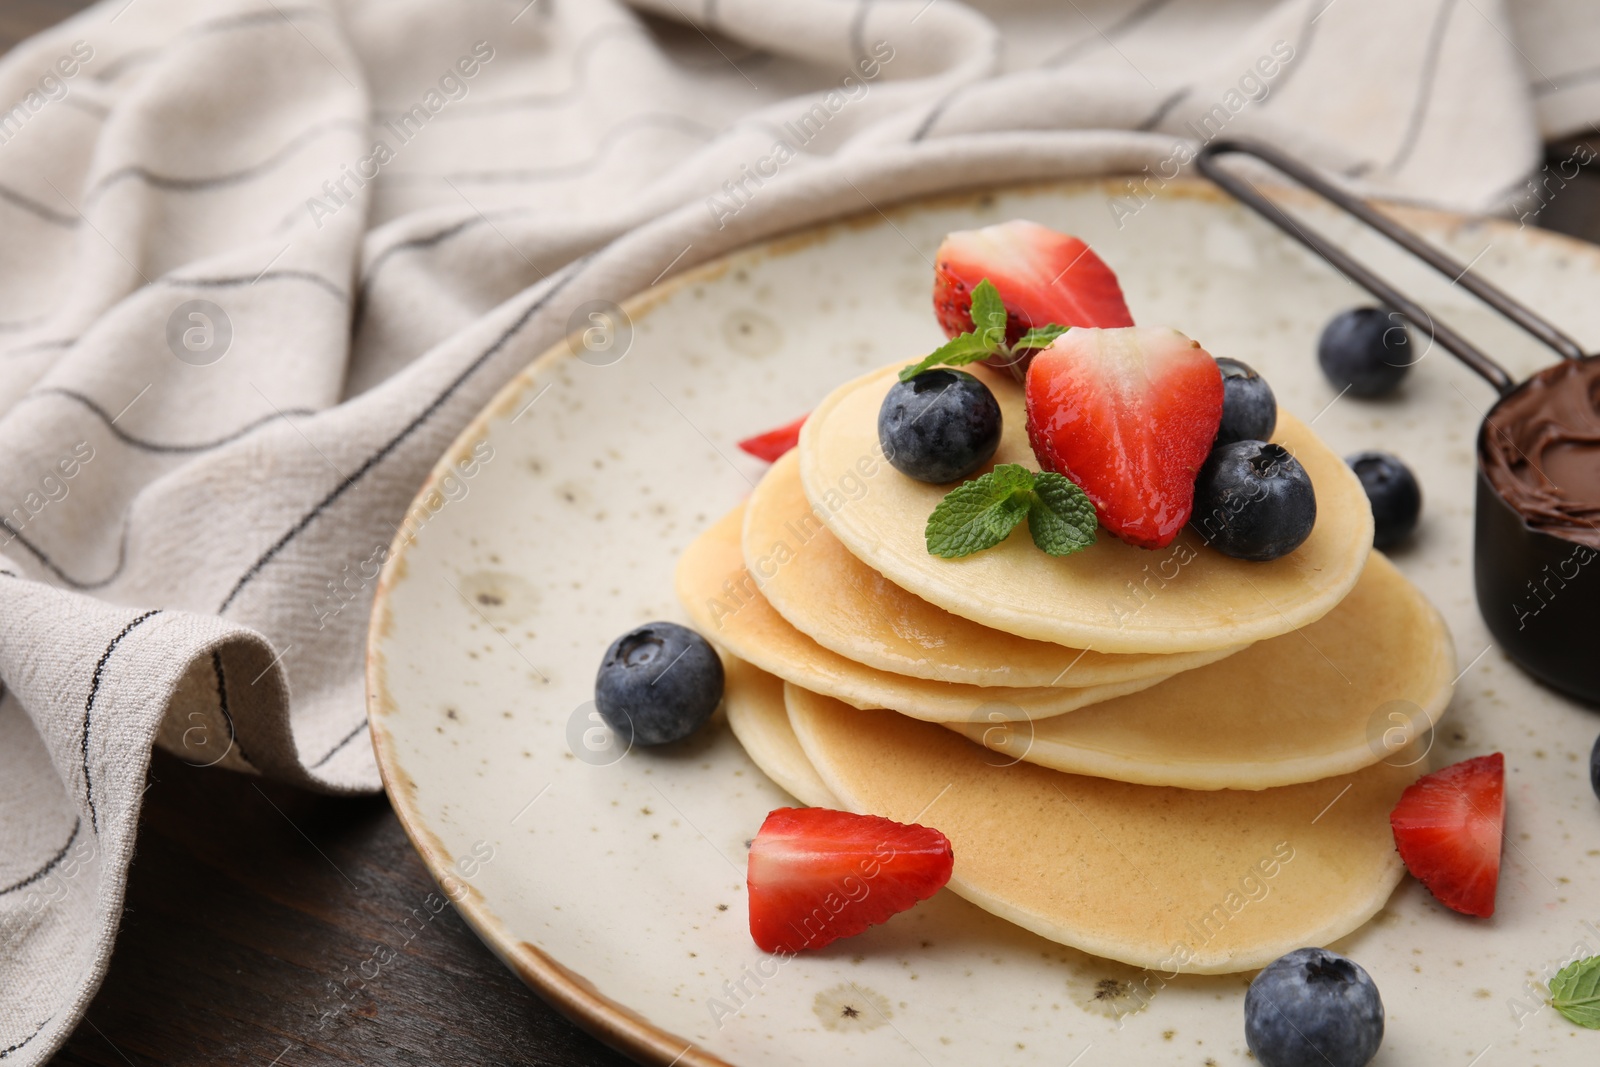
1537, 531
1537, 516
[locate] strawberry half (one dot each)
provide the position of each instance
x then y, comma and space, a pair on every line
1448, 827
1129, 415
1043, 277
817, 875
771, 445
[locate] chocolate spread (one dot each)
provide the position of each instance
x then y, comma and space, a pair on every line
1541, 450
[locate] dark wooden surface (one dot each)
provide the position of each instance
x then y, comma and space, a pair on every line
252, 907
251, 910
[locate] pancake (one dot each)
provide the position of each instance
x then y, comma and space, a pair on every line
723, 603
1348, 690
753, 702
1169, 879
844, 605
1110, 597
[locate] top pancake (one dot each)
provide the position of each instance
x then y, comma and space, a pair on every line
1110, 597
844, 605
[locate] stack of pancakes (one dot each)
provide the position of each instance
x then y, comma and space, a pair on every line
1169, 758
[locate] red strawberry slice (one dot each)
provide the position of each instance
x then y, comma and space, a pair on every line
1042, 276
817, 875
1130, 415
771, 445
1448, 827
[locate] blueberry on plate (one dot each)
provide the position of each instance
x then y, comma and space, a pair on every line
1394, 493
940, 426
658, 683
1249, 410
1313, 1007
1253, 501
1365, 350
1594, 767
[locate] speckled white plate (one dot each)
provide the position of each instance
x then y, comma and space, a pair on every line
615, 886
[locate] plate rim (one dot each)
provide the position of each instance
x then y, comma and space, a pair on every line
570, 993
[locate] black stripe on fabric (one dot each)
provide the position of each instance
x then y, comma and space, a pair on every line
88, 710
9, 1049
33, 207
154, 446
351, 736
1128, 22
110, 71
1164, 109
1425, 83
171, 183
934, 113
67, 579
222, 706
1302, 46
360, 311
186, 283
556, 286
77, 824
246, 280
661, 120
581, 54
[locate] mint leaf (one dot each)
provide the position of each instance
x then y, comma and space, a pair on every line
1039, 337
1062, 519
1575, 992
957, 352
981, 513
988, 313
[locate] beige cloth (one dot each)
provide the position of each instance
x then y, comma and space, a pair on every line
389, 206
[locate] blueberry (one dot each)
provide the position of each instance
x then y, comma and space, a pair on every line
940, 426
1253, 501
1249, 410
1367, 350
658, 683
1313, 1007
1594, 767
1394, 493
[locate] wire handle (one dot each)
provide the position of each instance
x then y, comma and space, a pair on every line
1357, 272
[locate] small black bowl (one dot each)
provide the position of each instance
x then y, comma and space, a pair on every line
1538, 591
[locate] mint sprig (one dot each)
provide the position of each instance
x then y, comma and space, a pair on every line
986, 338
981, 513
1575, 992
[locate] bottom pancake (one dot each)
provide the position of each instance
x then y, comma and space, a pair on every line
753, 701
1171, 879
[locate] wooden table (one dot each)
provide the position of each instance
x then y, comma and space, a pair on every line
251, 906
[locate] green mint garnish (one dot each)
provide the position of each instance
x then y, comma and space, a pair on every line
986, 338
1062, 519
981, 513
1575, 992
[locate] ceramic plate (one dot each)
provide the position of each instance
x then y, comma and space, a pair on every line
614, 883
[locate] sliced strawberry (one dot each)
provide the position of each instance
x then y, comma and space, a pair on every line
1043, 277
774, 443
817, 875
1130, 416
1448, 827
